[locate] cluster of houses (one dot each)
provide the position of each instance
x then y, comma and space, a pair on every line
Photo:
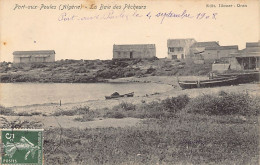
222, 57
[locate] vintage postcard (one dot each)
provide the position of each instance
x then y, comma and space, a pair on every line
129, 82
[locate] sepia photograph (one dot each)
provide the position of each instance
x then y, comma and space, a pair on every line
129, 82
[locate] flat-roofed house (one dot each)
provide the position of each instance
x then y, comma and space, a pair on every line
34, 56
205, 44
246, 59
199, 47
134, 51
218, 52
252, 47
179, 48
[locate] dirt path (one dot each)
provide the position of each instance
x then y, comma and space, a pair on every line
69, 122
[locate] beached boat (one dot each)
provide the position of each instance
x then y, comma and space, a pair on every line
245, 77
117, 95
208, 83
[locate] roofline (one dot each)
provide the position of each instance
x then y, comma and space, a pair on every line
217, 47
251, 54
206, 41
194, 45
29, 51
182, 39
131, 44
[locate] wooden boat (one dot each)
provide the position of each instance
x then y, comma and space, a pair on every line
246, 77
117, 95
208, 83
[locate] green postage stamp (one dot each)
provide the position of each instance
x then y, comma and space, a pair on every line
21, 146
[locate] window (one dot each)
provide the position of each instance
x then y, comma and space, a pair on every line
174, 49
174, 56
171, 49
118, 54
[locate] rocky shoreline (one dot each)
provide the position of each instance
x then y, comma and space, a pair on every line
94, 71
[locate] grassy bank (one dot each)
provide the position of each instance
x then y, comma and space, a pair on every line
183, 140
221, 129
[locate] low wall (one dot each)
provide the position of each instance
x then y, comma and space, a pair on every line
220, 67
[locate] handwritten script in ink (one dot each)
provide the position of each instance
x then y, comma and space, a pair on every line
126, 15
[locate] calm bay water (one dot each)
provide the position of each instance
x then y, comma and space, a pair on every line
20, 94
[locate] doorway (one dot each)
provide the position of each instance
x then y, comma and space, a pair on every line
131, 54
174, 56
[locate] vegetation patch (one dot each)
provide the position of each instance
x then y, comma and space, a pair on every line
24, 114
186, 139
165, 109
90, 71
72, 112
115, 114
6, 111
84, 118
19, 124
124, 106
225, 104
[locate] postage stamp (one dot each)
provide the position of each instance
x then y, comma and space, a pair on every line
21, 146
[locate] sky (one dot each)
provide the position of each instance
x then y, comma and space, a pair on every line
90, 33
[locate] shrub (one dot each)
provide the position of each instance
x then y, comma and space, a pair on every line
108, 73
85, 112
84, 118
254, 105
80, 70
150, 70
5, 111
78, 111
92, 67
36, 113
154, 109
24, 114
38, 65
5, 78
175, 104
129, 73
64, 113
114, 114
224, 104
222, 93
124, 106
122, 110
19, 124
139, 73
48, 69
